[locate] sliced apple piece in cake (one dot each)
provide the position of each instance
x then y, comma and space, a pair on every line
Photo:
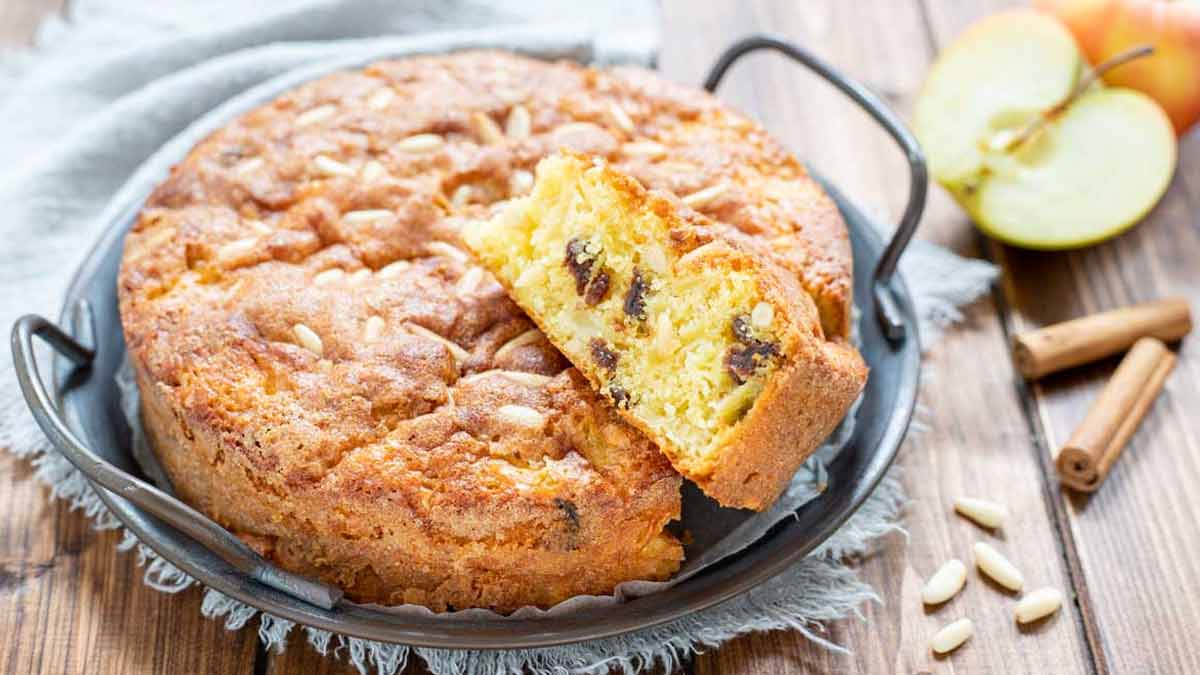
714, 353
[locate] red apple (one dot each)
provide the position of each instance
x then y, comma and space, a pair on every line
1171, 75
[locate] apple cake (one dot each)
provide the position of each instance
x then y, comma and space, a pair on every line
326, 372
712, 351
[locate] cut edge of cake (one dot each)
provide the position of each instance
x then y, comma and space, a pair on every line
759, 386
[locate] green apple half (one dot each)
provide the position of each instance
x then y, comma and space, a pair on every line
1094, 165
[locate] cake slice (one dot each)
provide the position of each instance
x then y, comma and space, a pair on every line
715, 354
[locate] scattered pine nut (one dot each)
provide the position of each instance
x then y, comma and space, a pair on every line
308, 339
448, 250
951, 636
459, 354
468, 282
992, 563
420, 143
248, 165
331, 167
522, 416
621, 117
461, 196
1037, 604
644, 149
373, 328
365, 216
373, 171
237, 253
527, 379
519, 124
762, 315
982, 511
528, 337
701, 198
394, 269
318, 114
329, 276
380, 99
572, 127
487, 129
518, 376
945, 583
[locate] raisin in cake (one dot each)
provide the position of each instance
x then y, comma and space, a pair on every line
714, 351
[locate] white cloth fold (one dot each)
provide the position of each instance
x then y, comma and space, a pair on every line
119, 79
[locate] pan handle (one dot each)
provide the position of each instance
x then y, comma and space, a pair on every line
172, 511
886, 309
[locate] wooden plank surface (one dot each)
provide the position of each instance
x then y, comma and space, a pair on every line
1135, 541
69, 603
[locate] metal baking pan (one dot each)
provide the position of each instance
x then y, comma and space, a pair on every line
80, 414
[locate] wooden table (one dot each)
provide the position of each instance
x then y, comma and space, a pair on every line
1129, 557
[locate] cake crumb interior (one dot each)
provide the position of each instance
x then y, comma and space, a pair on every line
656, 324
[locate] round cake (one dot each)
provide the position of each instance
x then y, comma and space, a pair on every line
325, 372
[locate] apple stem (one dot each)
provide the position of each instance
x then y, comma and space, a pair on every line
1081, 86
1105, 66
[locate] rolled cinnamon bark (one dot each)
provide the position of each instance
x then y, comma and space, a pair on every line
1072, 343
1085, 461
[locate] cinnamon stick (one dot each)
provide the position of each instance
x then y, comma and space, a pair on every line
1085, 461
1072, 343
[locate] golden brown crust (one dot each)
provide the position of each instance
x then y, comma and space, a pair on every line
325, 373
362, 531
380, 463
